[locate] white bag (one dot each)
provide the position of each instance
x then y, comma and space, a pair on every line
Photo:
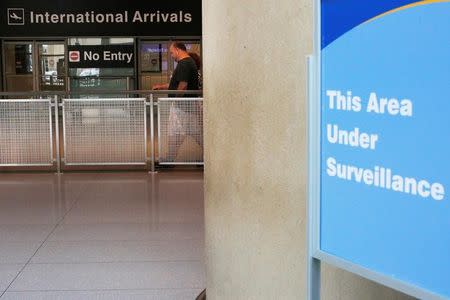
176, 116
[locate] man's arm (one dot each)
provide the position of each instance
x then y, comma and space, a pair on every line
182, 86
164, 86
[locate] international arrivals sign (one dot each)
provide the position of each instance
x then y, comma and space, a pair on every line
91, 17
52, 18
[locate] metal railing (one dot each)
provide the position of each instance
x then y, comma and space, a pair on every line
26, 135
142, 129
180, 130
104, 131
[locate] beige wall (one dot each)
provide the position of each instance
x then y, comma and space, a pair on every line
255, 153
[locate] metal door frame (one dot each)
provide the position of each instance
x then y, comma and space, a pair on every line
35, 57
33, 53
66, 65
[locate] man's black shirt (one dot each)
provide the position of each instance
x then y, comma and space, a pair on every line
186, 71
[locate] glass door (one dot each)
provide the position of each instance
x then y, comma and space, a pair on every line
19, 66
104, 77
155, 64
51, 66
34, 66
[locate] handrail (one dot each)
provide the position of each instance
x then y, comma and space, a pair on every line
152, 107
99, 92
99, 77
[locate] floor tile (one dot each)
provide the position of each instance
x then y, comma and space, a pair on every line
23, 233
35, 198
7, 274
125, 210
159, 294
128, 231
17, 252
139, 201
100, 276
116, 235
119, 251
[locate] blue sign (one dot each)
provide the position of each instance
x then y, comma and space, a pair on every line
385, 138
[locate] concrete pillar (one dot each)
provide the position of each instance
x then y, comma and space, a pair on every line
255, 153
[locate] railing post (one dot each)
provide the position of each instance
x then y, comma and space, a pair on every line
128, 84
152, 135
57, 139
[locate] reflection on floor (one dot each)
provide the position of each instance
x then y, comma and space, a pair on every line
101, 236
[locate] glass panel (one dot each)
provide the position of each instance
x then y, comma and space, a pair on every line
101, 78
19, 67
52, 69
19, 59
154, 64
85, 41
153, 57
51, 49
96, 83
191, 48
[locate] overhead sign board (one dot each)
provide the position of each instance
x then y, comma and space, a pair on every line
53, 18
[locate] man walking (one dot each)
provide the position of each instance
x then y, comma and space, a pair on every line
182, 120
185, 76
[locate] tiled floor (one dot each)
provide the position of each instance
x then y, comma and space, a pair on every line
101, 236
